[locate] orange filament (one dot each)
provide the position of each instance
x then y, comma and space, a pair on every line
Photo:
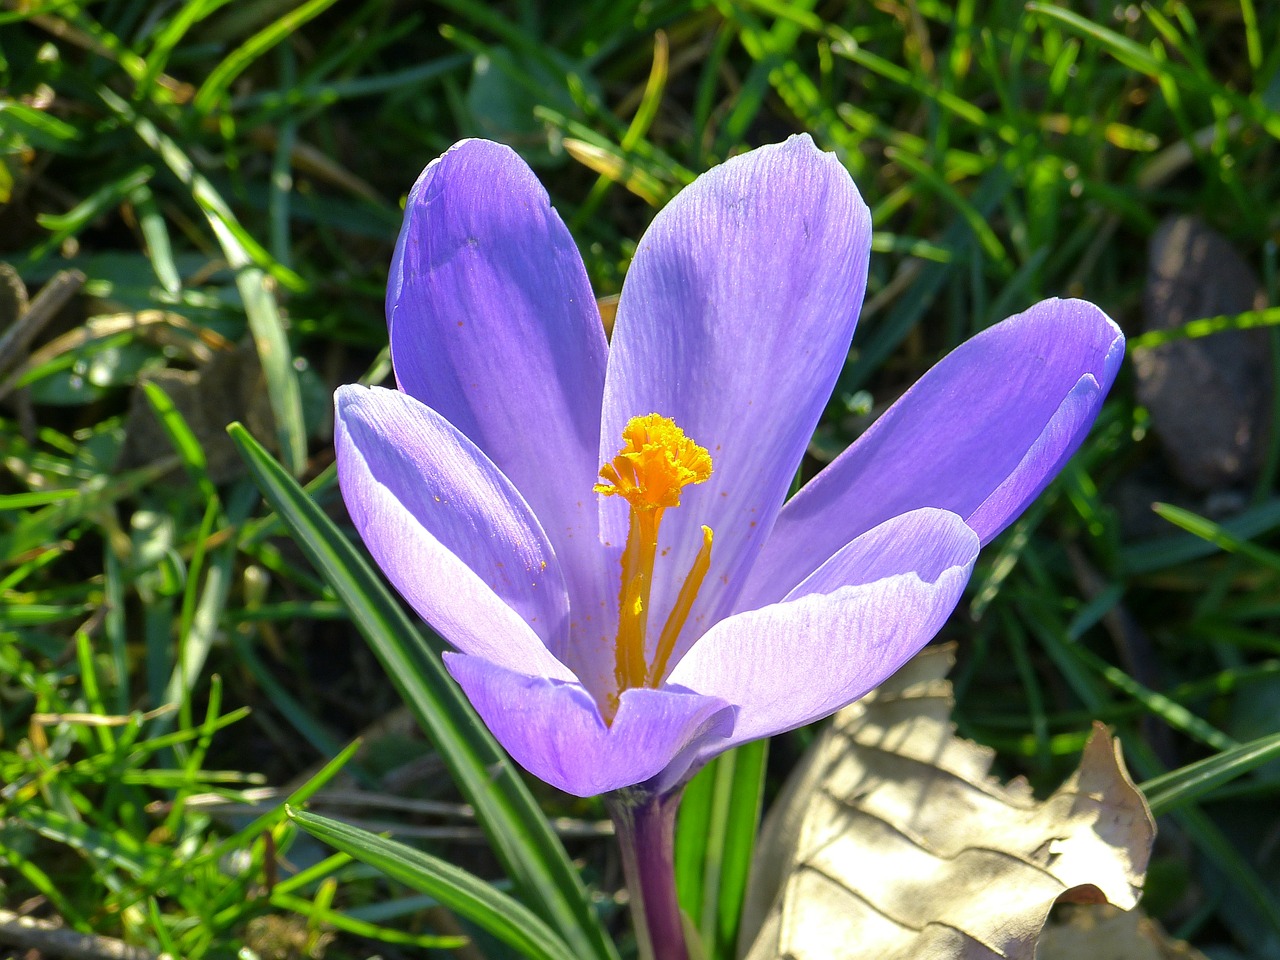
633, 602
680, 612
655, 463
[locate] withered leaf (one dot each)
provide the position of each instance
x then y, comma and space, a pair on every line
1102, 932
893, 842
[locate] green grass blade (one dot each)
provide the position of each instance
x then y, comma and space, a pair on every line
1208, 326
1129, 52
251, 263
363, 928
1163, 553
924, 173
35, 498
277, 359
519, 833
64, 225
155, 231
221, 77
715, 837
169, 36
1252, 37
1217, 534
42, 882
463, 892
1174, 714
202, 617
1171, 790
693, 835
202, 191
887, 333
742, 823
180, 434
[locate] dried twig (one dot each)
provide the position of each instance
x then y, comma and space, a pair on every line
54, 940
43, 308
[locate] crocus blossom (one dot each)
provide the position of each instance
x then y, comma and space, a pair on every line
599, 529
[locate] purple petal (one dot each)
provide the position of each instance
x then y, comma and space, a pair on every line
850, 625
734, 321
555, 732
494, 326
927, 542
981, 434
450, 531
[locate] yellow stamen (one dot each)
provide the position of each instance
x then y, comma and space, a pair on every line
680, 612
633, 602
655, 463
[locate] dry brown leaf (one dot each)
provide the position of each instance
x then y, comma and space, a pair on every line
892, 842
1101, 932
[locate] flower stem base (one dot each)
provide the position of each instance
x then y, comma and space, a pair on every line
645, 825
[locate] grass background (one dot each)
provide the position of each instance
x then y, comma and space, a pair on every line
215, 187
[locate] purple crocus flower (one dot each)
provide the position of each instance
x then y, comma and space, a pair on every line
609, 641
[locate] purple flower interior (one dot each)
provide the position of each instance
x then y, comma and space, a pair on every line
473, 484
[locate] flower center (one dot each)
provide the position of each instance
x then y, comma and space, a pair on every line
655, 463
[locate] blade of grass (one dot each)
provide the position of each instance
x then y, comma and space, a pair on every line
889, 333
202, 191
1162, 553
42, 882
363, 928
693, 834
1157, 704
220, 78
645, 113
1217, 534
205, 613
715, 837
308, 92
973, 217
1252, 37
741, 825
1171, 790
184, 440
248, 258
506, 919
519, 833
1137, 57
64, 225
1207, 326
156, 233
269, 336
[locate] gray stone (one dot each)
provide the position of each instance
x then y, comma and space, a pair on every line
1210, 397
229, 387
